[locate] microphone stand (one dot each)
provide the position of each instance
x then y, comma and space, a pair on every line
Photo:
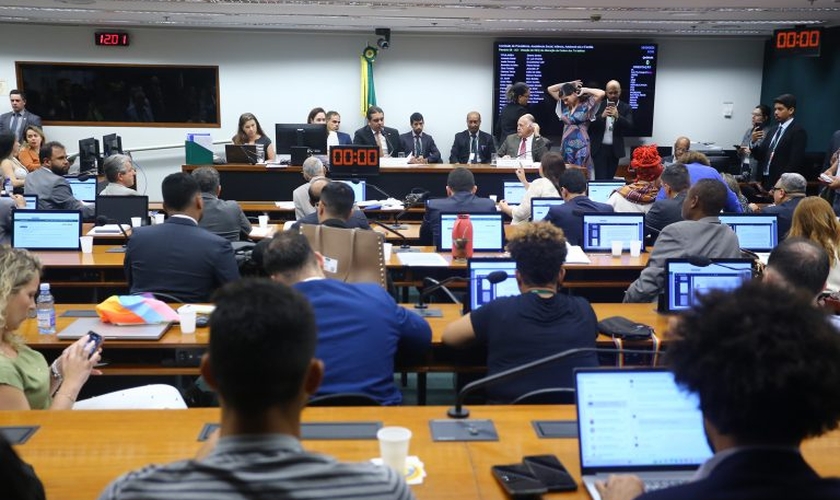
404, 246
422, 307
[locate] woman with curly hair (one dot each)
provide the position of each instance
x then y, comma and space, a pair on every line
26, 382
815, 220
249, 131
639, 195
576, 108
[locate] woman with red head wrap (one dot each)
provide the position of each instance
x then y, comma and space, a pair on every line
641, 193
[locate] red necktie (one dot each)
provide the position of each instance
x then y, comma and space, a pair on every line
522, 147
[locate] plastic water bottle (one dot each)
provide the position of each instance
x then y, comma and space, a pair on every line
7, 186
45, 307
260, 153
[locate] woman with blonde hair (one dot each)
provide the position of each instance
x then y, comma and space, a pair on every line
814, 219
26, 382
30, 150
249, 131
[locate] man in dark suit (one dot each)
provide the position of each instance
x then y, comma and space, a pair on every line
675, 181
526, 143
756, 411
49, 184
833, 146
783, 148
569, 215
333, 122
614, 119
178, 257
420, 144
19, 117
788, 191
333, 202
222, 217
377, 134
460, 189
472, 145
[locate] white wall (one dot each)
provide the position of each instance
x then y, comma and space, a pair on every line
281, 76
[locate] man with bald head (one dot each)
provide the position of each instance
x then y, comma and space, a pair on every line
526, 144
472, 145
613, 121
681, 146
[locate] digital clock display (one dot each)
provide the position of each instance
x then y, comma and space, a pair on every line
111, 38
350, 161
798, 41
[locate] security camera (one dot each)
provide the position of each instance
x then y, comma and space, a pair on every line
385, 41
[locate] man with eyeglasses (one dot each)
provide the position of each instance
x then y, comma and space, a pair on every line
788, 191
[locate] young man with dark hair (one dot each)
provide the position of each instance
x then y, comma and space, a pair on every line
675, 183
375, 133
569, 215
49, 184
420, 144
460, 192
222, 217
783, 147
261, 361
16, 120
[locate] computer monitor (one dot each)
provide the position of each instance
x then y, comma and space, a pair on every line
120, 209
756, 232
359, 188
540, 207
600, 229
31, 201
480, 291
46, 229
111, 145
600, 191
89, 160
310, 135
488, 231
84, 188
685, 281
514, 191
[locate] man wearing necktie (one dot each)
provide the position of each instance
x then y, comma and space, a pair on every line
472, 145
783, 147
375, 133
420, 144
526, 144
18, 118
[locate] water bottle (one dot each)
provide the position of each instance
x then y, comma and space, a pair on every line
260, 153
45, 307
7, 186
462, 237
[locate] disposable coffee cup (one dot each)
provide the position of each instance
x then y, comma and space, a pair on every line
86, 243
393, 447
263, 221
617, 246
635, 248
186, 316
387, 248
494, 197
159, 218
136, 221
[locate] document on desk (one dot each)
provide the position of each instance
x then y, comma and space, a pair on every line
422, 259
285, 205
576, 255
108, 229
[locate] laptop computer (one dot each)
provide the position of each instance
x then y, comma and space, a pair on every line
600, 229
82, 326
241, 153
684, 280
480, 291
359, 189
488, 231
83, 190
600, 191
756, 232
120, 209
637, 421
514, 191
46, 229
540, 207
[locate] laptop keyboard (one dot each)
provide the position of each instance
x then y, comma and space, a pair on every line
658, 484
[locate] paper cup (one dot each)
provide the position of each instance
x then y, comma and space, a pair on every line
136, 221
186, 316
159, 218
617, 245
494, 198
393, 447
263, 221
387, 248
635, 248
86, 243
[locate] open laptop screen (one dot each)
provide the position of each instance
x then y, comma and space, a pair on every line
630, 419
120, 209
756, 232
514, 191
359, 189
488, 231
600, 191
481, 291
684, 281
46, 229
84, 190
540, 206
600, 229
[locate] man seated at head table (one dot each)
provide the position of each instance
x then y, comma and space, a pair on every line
534, 324
178, 257
377, 134
460, 192
261, 361
700, 235
420, 144
763, 363
333, 202
472, 145
526, 143
222, 217
312, 169
120, 174
359, 324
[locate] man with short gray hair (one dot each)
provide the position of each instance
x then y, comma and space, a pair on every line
312, 169
222, 217
120, 174
788, 191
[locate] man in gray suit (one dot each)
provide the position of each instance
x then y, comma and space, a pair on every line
49, 184
701, 234
18, 118
120, 174
222, 217
312, 169
526, 143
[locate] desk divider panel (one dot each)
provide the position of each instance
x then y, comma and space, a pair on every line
321, 430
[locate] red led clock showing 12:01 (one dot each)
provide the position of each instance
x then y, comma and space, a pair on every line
111, 38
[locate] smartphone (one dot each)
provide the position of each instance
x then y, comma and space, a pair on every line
610, 103
96, 340
518, 481
550, 472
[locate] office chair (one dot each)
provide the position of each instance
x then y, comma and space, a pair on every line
549, 396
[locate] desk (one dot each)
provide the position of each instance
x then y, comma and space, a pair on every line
77, 453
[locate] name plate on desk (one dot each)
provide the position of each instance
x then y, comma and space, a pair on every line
388, 161
516, 163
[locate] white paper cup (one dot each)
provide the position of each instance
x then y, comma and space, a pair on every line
159, 218
393, 447
387, 248
186, 316
617, 245
635, 248
136, 221
263, 221
86, 243
494, 198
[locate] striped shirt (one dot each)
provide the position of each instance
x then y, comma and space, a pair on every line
259, 467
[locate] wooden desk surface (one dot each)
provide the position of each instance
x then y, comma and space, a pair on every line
600, 261
77, 453
101, 257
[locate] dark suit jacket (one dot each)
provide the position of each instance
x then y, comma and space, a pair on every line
833, 145
506, 123
511, 147
344, 138
364, 136
427, 144
27, 117
755, 474
178, 258
789, 155
663, 212
785, 212
463, 202
621, 127
569, 216
357, 219
461, 147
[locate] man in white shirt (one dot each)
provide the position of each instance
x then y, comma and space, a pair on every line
120, 174
525, 144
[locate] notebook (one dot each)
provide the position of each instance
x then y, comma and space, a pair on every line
514, 191
637, 421
84, 190
756, 232
488, 231
540, 206
241, 153
480, 291
600, 229
600, 191
684, 280
82, 326
120, 209
46, 229
359, 189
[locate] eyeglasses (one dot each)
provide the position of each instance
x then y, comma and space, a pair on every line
775, 188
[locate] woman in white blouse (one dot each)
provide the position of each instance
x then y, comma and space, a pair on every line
546, 185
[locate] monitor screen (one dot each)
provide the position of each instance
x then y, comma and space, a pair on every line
88, 155
488, 231
685, 281
111, 145
600, 229
756, 232
480, 290
84, 190
311, 135
514, 191
359, 189
600, 191
120, 209
46, 229
540, 206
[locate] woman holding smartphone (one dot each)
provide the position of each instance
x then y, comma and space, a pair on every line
576, 108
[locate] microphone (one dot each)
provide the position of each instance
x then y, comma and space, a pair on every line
422, 308
375, 188
101, 220
404, 246
703, 261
